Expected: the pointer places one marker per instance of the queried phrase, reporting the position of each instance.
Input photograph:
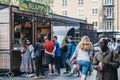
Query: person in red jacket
(49, 50)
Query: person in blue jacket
(70, 50)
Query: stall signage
(46, 1)
(33, 7)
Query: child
(75, 68)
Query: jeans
(39, 66)
(57, 63)
(84, 66)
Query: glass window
(109, 12)
(94, 10)
(64, 13)
(108, 2)
(80, 12)
(80, 2)
(95, 23)
(64, 2)
(108, 25)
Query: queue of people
(80, 58)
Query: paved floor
(61, 77)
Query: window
(80, 2)
(80, 12)
(109, 12)
(94, 10)
(64, 2)
(108, 2)
(95, 23)
(64, 12)
(22, 30)
(108, 25)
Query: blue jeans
(84, 66)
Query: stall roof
(2, 6)
(60, 20)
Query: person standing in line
(39, 52)
(50, 51)
(64, 54)
(113, 45)
(32, 54)
(26, 65)
(57, 55)
(106, 63)
(83, 57)
(96, 46)
(70, 50)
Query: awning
(2, 6)
(60, 20)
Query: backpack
(72, 49)
(38, 49)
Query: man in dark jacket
(39, 52)
(106, 63)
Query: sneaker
(30, 75)
(50, 74)
(42, 77)
(35, 77)
(23, 75)
(55, 73)
(27, 75)
(58, 74)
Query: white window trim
(94, 1)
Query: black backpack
(38, 49)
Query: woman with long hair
(82, 53)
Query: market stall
(15, 25)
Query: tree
(5, 2)
(48, 3)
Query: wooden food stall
(17, 23)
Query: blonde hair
(85, 44)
